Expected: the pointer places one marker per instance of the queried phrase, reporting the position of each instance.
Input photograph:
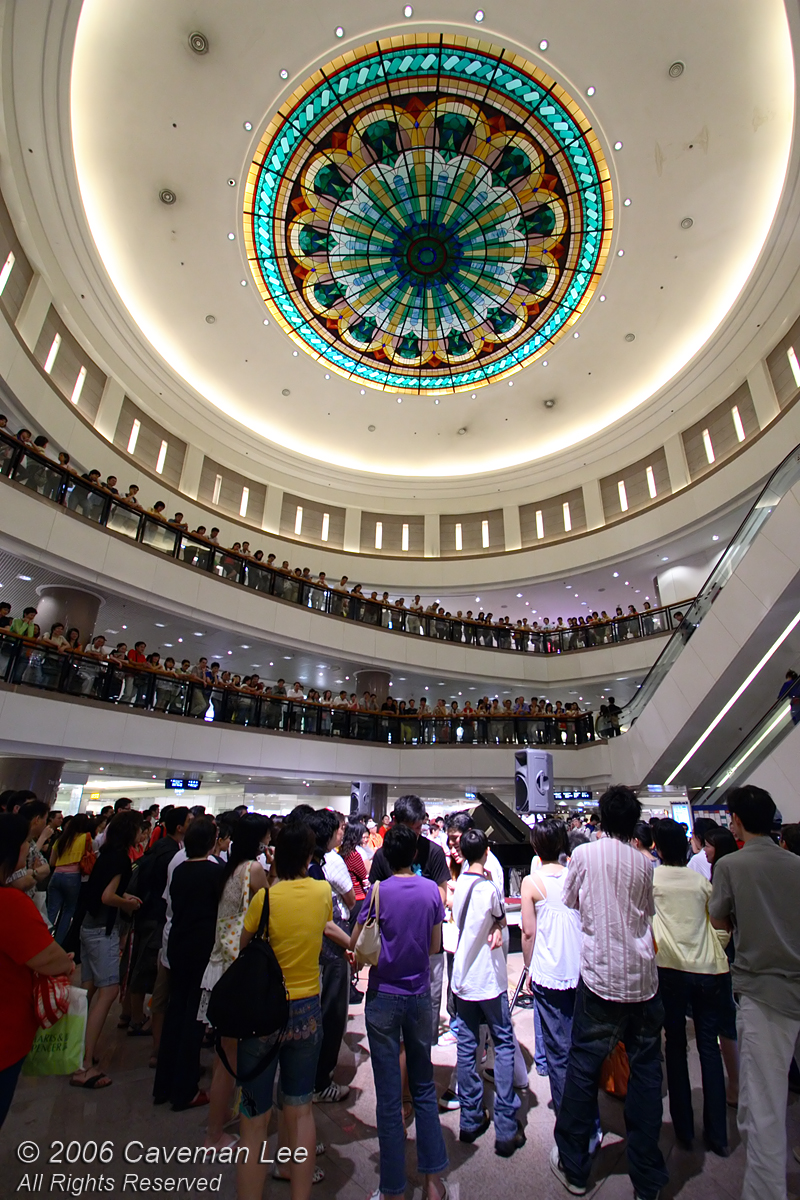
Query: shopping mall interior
(273, 281)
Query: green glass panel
(541, 222)
(408, 347)
(453, 130)
(513, 164)
(313, 241)
(381, 137)
(329, 181)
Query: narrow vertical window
(567, 516)
(133, 439)
(709, 446)
(651, 483)
(379, 535)
(405, 537)
(485, 534)
(326, 526)
(298, 521)
(623, 495)
(794, 364)
(79, 382)
(539, 524)
(459, 542)
(737, 423)
(53, 355)
(217, 489)
(8, 267)
(245, 501)
(162, 457)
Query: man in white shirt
(611, 885)
(480, 987)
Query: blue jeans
(539, 1055)
(706, 993)
(297, 1057)
(598, 1025)
(495, 1014)
(388, 1016)
(62, 895)
(555, 1011)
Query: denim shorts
(297, 1058)
(99, 955)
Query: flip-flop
(142, 1030)
(318, 1177)
(93, 1083)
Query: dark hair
(644, 834)
(790, 836)
(408, 810)
(400, 844)
(249, 832)
(122, 804)
(173, 816)
(754, 807)
(121, 832)
(294, 845)
(550, 839)
(619, 811)
(324, 824)
(474, 844)
(702, 826)
(32, 809)
(460, 822)
(723, 842)
(354, 832)
(300, 813)
(13, 832)
(73, 828)
(200, 837)
(671, 843)
(576, 837)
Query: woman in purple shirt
(399, 1002)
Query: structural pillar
(108, 412)
(677, 464)
(273, 505)
(352, 530)
(191, 471)
(512, 530)
(432, 535)
(368, 800)
(73, 606)
(39, 775)
(593, 504)
(373, 680)
(762, 390)
(33, 312)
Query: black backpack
(251, 1000)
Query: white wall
(779, 775)
(684, 579)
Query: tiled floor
(48, 1110)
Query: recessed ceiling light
(479, 15)
(168, 644)
(245, 647)
(363, 392)
(243, 282)
(339, 31)
(550, 403)
(294, 354)
(371, 428)
(627, 201)
(687, 223)
(159, 625)
(664, 558)
(477, 599)
(167, 196)
(408, 11)
(462, 430)
(210, 319)
(519, 595)
(676, 69)
(284, 73)
(602, 299)
(630, 337)
(197, 633)
(715, 537)
(620, 254)
(327, 376)
(231, 237)
(27, 578)
(198, 42)
(617, 145)
(399, 399)
(576, 335)
(266, 320)
(544, 364)
(543, 44)
(248, 125)
(436, 401)
(286, 391)
(287, 657)
(511, 383)
(231, 183)
(616, 574)
(590, 91)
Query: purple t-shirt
(410, 906)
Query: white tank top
(556, 958)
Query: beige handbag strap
(374, 899)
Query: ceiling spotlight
(248, 125)
(339, 31)
(363, 392)
(590, 91)
(715, 537)
(266, 320)
(198, 42)
(511, 383)
(544, 364)
(327, 376)
(687, 223)
(549, 403)
(479, 15)
(519, 595)
(408, 11)
(630, 337)
(616, 574)
(231, 237)
(627, 201)
(676, 69)
(371, 428)
(620, 254)
(284, 73)
(286, 392)
(167, 196)
(576, 335)
(664, 558)
(543, 44)
(436, 401)
(617, 145)
(210, 319)
(243, 282)
(399, 399)
(602, 298)
(231, 183)
(294, 354)
(462, 430)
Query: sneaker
(574, 1189)
(447, 1039)
(506, 1149)
(332, 1094)
(471, 1135)
(449, 1101)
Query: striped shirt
(611, 885)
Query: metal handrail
(776, 723)
(28, 663)
(102, 508)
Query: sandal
(123, 1022)
(318, 1177)
(92, 1083)
(140, 1030)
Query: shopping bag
(368, 943)
(616, 1072)
(59, 1049)
(50, 998)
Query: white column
(352, 530)
(35, 308)
(762, 389)
(109, 409)
(271, 521)
(433, 547)
(593, 504)
(191, 471)
(512, 530)
(677, 466)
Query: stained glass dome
(428, 214)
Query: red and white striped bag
(50, 998)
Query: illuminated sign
(180, 785)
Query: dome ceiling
(459, 276)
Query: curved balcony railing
(782, 479)
(29, 663)
(101, 507)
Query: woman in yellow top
(300, 912)
(691, 968)
(65, 882)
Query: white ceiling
(713, 145)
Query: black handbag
(251, 1000)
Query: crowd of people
(628, 930)
(300, 585)
(197, 689)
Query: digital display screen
(180, 785)
(572, 795)
(682, 813)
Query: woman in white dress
(244, 877)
